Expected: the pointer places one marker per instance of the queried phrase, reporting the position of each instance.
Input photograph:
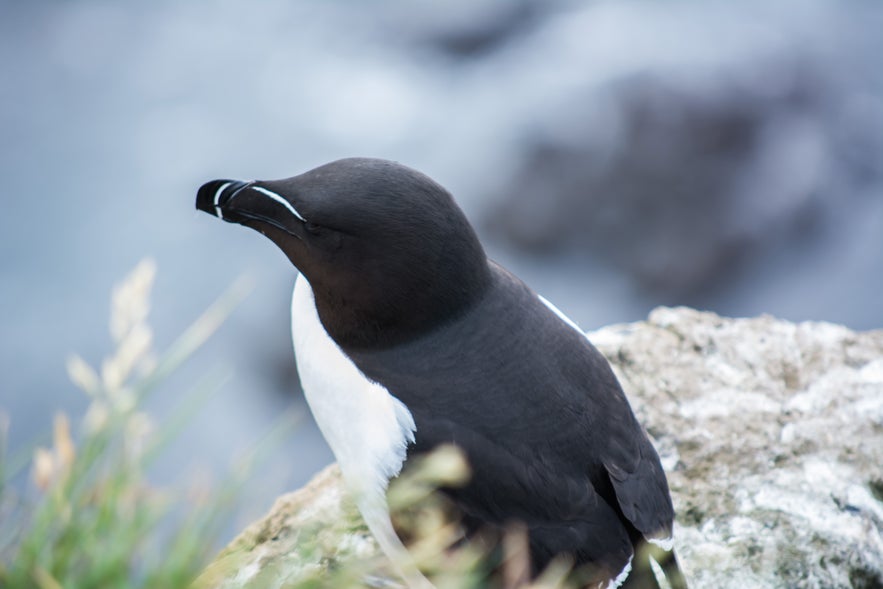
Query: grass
(97, 521)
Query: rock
(692, 165)
(684, 168)
(463, 29)
(771, 434)
(304, 533)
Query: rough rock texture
(302, 535)
(771, 434)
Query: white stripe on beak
(218, 197)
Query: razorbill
(407, 337)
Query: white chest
(367, 428)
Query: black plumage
(403, 286)
(547, 430)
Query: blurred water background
(617, 155)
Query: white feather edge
(560, 314)
(366, 427)
(664, 543)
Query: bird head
(386, 249)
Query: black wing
(511, 481)
(545, 425)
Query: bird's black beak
(250, 204)
(213, 196)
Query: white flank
(218, 197)
(366, 427)
(666, 543)
(280, 200)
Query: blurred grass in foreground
(435, 538)
(98, 522)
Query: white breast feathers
(366, 427)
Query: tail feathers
(643, 576)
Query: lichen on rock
(772, 437)
(305, 535)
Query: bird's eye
(311, 227)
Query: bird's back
(541, 418)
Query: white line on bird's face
(280, 200)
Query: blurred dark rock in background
(679, 177)
(464, 30)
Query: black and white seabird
(408, 337)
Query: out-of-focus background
(617, 155)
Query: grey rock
(684, 166)
(304, 534)
(772, 436)
(461, 29)
(771, 433)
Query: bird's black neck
(373, 315)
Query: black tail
(642, 575)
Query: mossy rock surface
(306, 534)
